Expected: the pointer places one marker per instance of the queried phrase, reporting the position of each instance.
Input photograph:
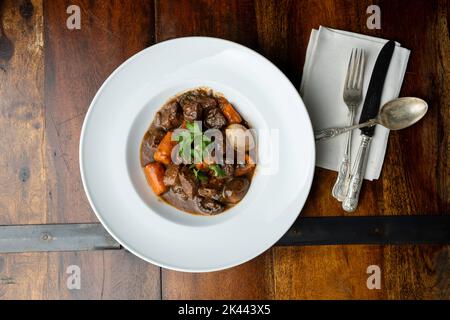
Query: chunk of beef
(188, 182)
(209, 191)
(205, 101)
(214, 119)
(178, 190)
(229, 170)
(171, 175)
(192, 111)
(169, 117)
(235, 189)
(209, 206)
(216, 183)
(149, 144)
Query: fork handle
(339, 190)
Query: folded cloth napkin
(322, 86)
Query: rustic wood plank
(232, 20)
(414, 178)
(77, 62)
(22, 178)
(414, 272)
(22, 122)
(283, 29)
(115, 274)
(416, 175)
(109, 275)
(45, 140)
(252, 280)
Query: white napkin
(322, 86)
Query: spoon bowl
(401, 113)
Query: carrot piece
(154, 172)
(163, 152)
(161, 157)
(166, 145)
(201, 166)
(229, 112)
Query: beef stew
(185, 153)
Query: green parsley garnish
(218, 171)
(192, 135)
(199, 174)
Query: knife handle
(351, 200)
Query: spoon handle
(329, 133)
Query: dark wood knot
(24, 174)
(26, 9)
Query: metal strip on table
(55, 237)
(381, 230)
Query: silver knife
(369, 111)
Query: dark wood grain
(415, 174)
(76, 64)
(22, 139)
(22, 177)
(49, 74)
(252, 280)
(233, 20)
(282, 35)
(42, 122)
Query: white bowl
(114, 181)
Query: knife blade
(372, 101)
(370, 110)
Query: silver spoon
(395, 115)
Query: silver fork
(352, 98)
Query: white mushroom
(240, 137)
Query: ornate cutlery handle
(351, 200)
(339, 190)
(340, 187)
(328, 133)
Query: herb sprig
(218, 171)
(192, 135)
(192, 144)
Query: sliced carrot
(200, 166)
(163, 152)
(154, 173)
(162, 157)
(229, 112)
(166, 145)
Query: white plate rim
(309, 178)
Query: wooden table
(49, 74)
